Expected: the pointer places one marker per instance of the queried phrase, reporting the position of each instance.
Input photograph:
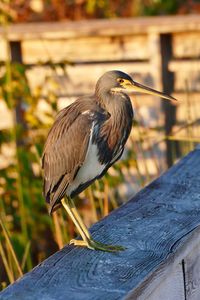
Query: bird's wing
(64, 153)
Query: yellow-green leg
(67, 207)
(86, 236)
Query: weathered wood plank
(186, 71)
(184, 65)
(170, 266)
(158, 227)
(186, 44)
(130, 26)
(171, 288)
(192, 274)
(87, 49)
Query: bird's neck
(118, 105)
(116, 129)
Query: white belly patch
(90, 169)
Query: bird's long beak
(137, 87)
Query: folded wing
(64, 153)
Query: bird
(86, 139)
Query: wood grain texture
(153, 226)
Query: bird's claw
(93, 245)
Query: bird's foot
(93, 245)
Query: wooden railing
(160, 51)
(160, 228)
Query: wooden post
(16, 57)
(16, 52)
(168, 87)
(155, 59)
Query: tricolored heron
(87, 137)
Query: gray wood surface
(159, 227)
(169, 278)
(171, 288)
(192, 274)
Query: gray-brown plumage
(87, 137)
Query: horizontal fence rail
(160, 229)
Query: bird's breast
(110, 138)
(90, 169)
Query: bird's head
(120, 82)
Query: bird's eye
(121, 80)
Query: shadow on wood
(159, 228)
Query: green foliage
(23, 209)
(110, 9)
(160, 7)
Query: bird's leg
(78, 218)
(86, 236)
(68, 209)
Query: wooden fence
(160, 228)
(159, 51)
